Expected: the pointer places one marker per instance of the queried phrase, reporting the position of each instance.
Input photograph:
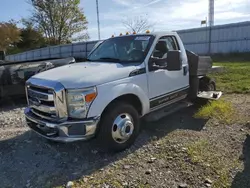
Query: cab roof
(157, 34)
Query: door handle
(185, 70)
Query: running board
(210, 95)
(165, 111)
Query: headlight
(79, 101)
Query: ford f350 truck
(125, 78)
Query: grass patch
(108, 180)
(221, 110)
(214, 157)
(233, 57)
(235, 79)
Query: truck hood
(86, 74)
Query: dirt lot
(178, 151)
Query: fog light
(76, 129)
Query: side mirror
(2, 55)
(174, 60)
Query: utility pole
(211, 23)
(98, 21)
(211, 12)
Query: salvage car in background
(13, 75)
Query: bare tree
(137, 24)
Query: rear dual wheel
(205, 84)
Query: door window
(165, 44)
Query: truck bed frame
(199, 68)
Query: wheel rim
(123, 128)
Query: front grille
(42, 103)
(47, 99)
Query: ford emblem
(36, 101)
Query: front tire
(119, 127)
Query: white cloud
(153, 2)
(231, 15)
(173, 14)
(136, 4)
(126, 3)
(106, 31)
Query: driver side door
(166, 86)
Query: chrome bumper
(68, 131)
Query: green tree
(9, 34)
(59, 20)
(31, 38)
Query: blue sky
(166, 14)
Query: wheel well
(131, 99)
(204, 81)
(128, 98)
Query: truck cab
(124, 79)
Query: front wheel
(119, 127)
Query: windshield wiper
(88, 59)
(110, 59)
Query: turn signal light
(90, 97)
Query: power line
(98, 20)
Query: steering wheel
(135, 55)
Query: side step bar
(165, 111)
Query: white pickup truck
(124, 79)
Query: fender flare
(107, 94)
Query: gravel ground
(159, 158)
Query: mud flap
(210, 95)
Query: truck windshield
(125, 49)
